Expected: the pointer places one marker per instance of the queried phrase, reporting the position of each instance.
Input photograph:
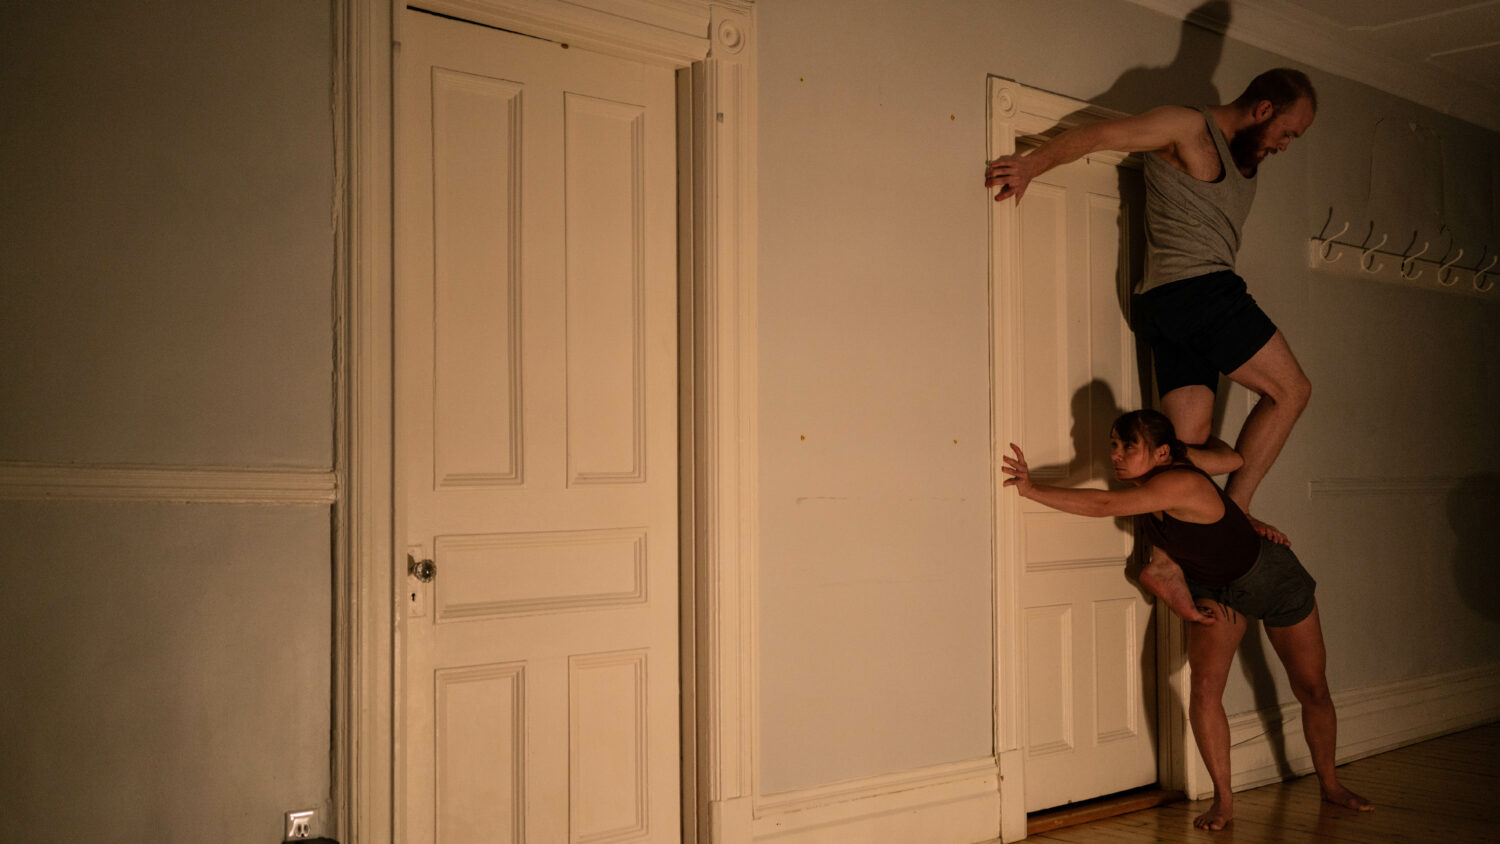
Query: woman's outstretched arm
(1182, 494)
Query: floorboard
(1441, 791)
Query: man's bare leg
(1210, 652)
(1302, 653)
(1163, 578)
(1284, 390)
(1191, 411)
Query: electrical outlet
(300, 824)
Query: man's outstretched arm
(1159, 129)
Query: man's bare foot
(1215, 457)
(1340, 796)
(1167, 583)
(1269, 531)
(1216, 818)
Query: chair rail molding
(180, 484)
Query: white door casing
(536, 438)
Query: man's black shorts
(1199, 327)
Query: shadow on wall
(1095, 409)
(1471, 514)
(1257, 670)
(1187, 80)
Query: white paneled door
(537, 452)
(1088, 650)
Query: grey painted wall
(874, 529)
(166, 170)
(166, 286)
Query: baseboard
(1371, 721)
(957, 803)
(729, 821)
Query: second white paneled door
(1089, 681)
(536, 399)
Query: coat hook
(1409, 262)
(1484, 272)
(1443, 270)
(1367, 259)
(1328, 256)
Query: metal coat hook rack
(1409, 266)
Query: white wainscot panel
(480, 744)
(606, 282)
(476, 277)
(490, 575)
(1049, 679)
(1117, 667)
(607, 747)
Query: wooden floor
(1446, 790)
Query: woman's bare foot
(1217, 817)
(1269, 531)
(1340, 796)
(1167, 583)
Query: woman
(1232, 572)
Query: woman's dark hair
(1152, 428)
(1282, 86)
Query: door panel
(1088, 649)
(537, 453)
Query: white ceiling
(1444, 54)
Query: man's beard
(1245, 146)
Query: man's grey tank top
(1193, 226)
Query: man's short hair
(1282, 86)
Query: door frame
(1019, 113)
(712, 45)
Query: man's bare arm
(1159, 129)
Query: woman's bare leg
(1210, 652)
(1305, 658)
(1163, 578)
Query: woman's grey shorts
(1277, 589)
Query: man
(1191, 307)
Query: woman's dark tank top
(1212, 554)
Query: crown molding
(1287, 30)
